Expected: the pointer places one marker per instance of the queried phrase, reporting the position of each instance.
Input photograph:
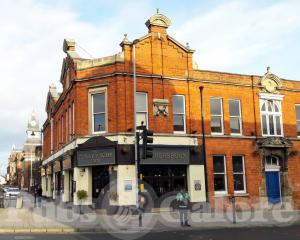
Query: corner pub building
(251, 129)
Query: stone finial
(187, 45)
(69, 45)
(158, 19)
(268, 69)
(125, 40)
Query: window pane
(278, 125)
(218, 162)
(237, 162)
(235, 125)
(216, 124)
(271, 125)
(298, 128)
(141, 102)
(239, 182)
(178, 122)
(215, 106)
(276, 107)
(178, 104)
(219, 182)
(298, 112)
(264, 124)
(99, 122)
(234, 108)
(270, 106)
(99, 103)
(141, 117)
(263, 108)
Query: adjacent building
(248, 147)
(14, 169)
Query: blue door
(273, 187)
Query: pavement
(54, 218)
(257, 233)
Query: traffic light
(147, 149)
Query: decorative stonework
(270, 83)
(274, 142)
(159, 19)
(160, 107)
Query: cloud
(239, 33)
(233, 36)
(32, 34)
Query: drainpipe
(203, 142)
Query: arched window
(271, 118)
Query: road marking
(23, 237)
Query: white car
(12, 192)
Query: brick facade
(165, 68)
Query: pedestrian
(183, 200)
(35, 192)
(1, 197)
(40, 195)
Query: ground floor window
(220, 178)
(164, 179)
(239, 174)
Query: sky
(240, 36)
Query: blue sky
(242, 36)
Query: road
(258, 233)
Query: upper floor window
(298, 119)
(235, 116)
(271, 117)
(179, 113)
(220, 176)
(239, 177)
(141, 109)
(216, 116)
(99, 112)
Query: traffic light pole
(138, 175)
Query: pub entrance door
(100, 184)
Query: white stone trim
(269, 96)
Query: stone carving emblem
(160, 107)
(270, 83)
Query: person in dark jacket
(39, 194)
(183, 200)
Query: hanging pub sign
(67, 163)
(43, 171)
(49, 170)
(56, 166)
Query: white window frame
(225, 176)
(239, 117)
(147, 119)
(184, 114)
(222, 116)
(274, 114)
(244, 174)
(62, 129)
(92, 111)
(297, 120)
(73, 119)
(70, 123)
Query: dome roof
(158, 19)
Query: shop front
(170, 170)
(94, 169)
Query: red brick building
(251, 126)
